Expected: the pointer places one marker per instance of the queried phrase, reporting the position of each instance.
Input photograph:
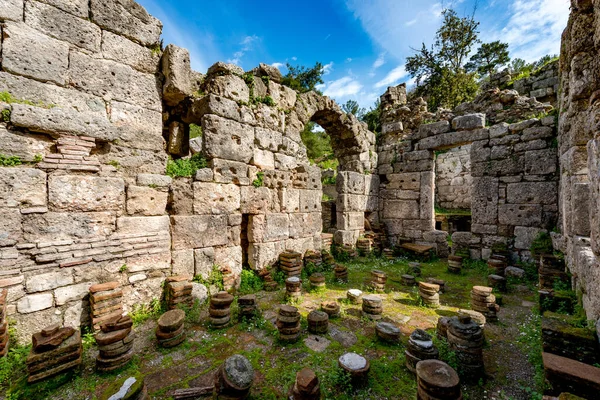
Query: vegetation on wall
(186, 167)
(304, 79)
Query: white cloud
(247, 44)
(327, 68)
(343, 87)
(411, 22)
(278, 65)
(436, 10)
(348, 60)
(380, 61)
(534, 28)
(393, 77)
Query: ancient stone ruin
(132, 173)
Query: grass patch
(185, 167)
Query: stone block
(48, 281)
(204, 260)
(61, 226)
(372, 183)
(128, 19)
(85, 193)
(469, 122)
(348, 221)
(426, 130)
(541, 162)
(154, 180)
(230, 86)
(55, 120)
(146, 225)
(305, 224)
(524, 236)
(283, 96)
(12, 10)
(230, 258)
(537, 132)
(400, 209)
(225, 171)
(346, 237)
(24, 146)
(143, 200)
(177, 71)
(532, 193)
(257, 200)
(226, 139)
(427, 197)
(31, 54)
(182, 262)
(520, 214)
(285, 162)
(392, 127)
(452, 139)
(351, 203)
(404, 181)
(581, 209)
(498, 130)
(212, 104)
(79, 8)
(35, 302)
(22, 187)
(263, 159)
(310, 200)
(216, 198)
(120, 49)
(115, 80)
(136, 127)
(151, 262)
(268, 228)
(484, 200)
(350, 182)
(10, 225)
(289, 199)
(262, 255)
(196, 231)
(77, 31)
(76, 292)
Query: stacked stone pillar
(430, 294)
(170, 328)
(234, 378)
(178, 291)
(220, 309)
(332, 308)
(54, 350)
(341, 273)
(372, 307)
(483, 301)
(378, 280)
(356, 366)
(106, 303)
(306, 386)
(288, 323)
(313, 257)
(420, 347)
(387, 332)
(293, 287)
(455, 264)
(291, 263)
(354, 296)
(247, 306)
(465, 337)
(437, 380)
(318, 322)
(317, 281)
(115, 344)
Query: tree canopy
(304, 79)
(488, 58)
(440, 70)
(352, 107)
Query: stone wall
(579, 147)
(514, 191)
(94, 110)
(453, 178)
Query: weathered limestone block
(520, 214)
(212, 104)
(35, 302)
(146, 225)
(22, 187)
(348, 221)
(182, 262)
(74, 30)
(289, 200)
(135, 161)
(285, 162)
(10, 225)
(196, 231)
(498, 130)
(436, 128)
(48, 281)
(372, 183)
(216, 198)
(47, 93)
(532, 193)
(304, 224)
(484, 202)
(177, 139)
(268, 139)
(231, 86)
(226, 139)
(469, 122)
(159, 181)
(351, 203)
(346, 237)
(221, 68)
(257, 200)
(594, 168)
(55, 120)
(79, 8)
(119, 81)
(151, 262)
(120, 49)
(427, 198)
(581, 211)
(85, 193)
(452, 139)
(177, 71)
(230, 258)
(226, 171)
(77, 292)
(53, 226)
(204, 259)
(142, 200)
(263, 159)
(127, 18)
(525, 236)
(262, 255)
(310, 200)
(350, 182)
(24, 146)
(12, 10)
(283, 96)
(541, 162)
(268, 228)
(31, 54)
(137, 127)
(405, 181)
(400, 209)
(392, 127)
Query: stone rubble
(62, 355)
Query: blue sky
(363, 43)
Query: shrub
(186, 167)
(250, 282)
